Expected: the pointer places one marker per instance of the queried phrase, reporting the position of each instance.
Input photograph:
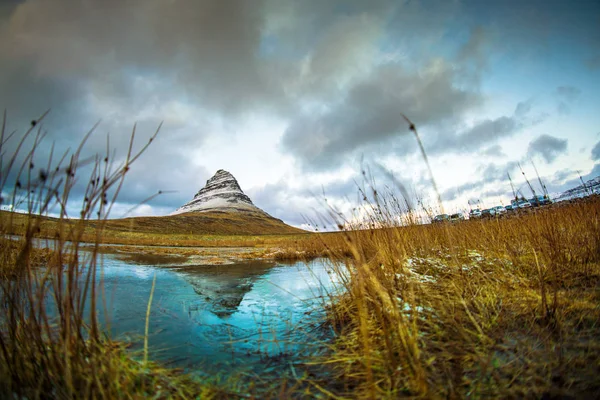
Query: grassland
(504, 308)
(192, 229)
(498, 308)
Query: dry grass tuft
(63, 353)
(498, 308)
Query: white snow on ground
(412, 265)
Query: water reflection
(215, 317)
(223, 287)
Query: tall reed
(486, 308)
(52, 343)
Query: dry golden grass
(65, 354)
(207, 229)
(504, 308)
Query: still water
(214, 318)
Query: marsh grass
(504, 308)
(64, 353)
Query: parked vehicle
(488, 213)
(475, 213)
(524, 204)
(516, 204)
(441, 218)
(500, 210)
(539, 200)
(457, 217)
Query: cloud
(548, 147)
(333, 76)
(567, 95)
(595, 172)
(491, 175)
(496, 193)
(596, 152)
(523, 108)
(482, 133)
(292, 205)
(371, 112)
(494, 151)
(593, 63)
(475, 49)
(209, 53)
(468, 187)
(560, 176)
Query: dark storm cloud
(493, 175)
(596, 152)
(371, 112)
(369, 109)
(548, 147)
(205, 47)
(146, 61)
(483, 133)
(338, 72)
(123, 62)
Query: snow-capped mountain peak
(222, 192)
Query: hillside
(211, 222)
(219, 208)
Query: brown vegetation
(497, 308)
(504, 308)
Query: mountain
(222, 192)
(219, 208)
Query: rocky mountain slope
(222, 192)
(219, 208)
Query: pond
(210, 319)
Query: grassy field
(506, 308)
(192, 229)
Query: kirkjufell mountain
(222, 192)
(219, 208)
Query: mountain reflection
(223, 287)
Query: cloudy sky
(296, 98)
